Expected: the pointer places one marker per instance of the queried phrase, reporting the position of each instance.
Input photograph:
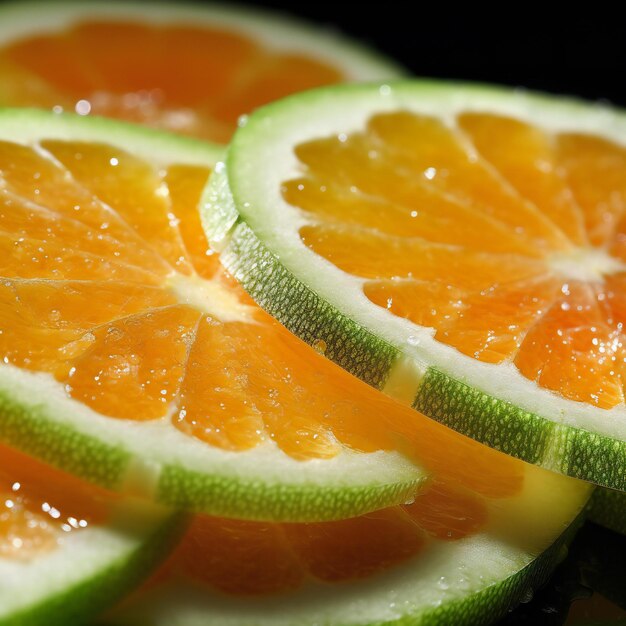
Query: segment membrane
(507, 240)
(172, 338)
(163, 76)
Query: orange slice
(451, 553)
(134, 361)
(187, 68)
(460, 248)
(69, 550)
(128, 357)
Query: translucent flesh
(193, 79)
(250, 558)
(40, 505)
(507, 240)
(173, 338)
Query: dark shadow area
(579, 51)
(587, 589)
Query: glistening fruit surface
(187, 68)
(458, 246)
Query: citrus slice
(187, 68)
(450, 557)
(67, 549)
(128, 357)
(459, 247)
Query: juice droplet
(320, 346)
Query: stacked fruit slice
(467, 240)
(372, 222)
(67, 549)
(184, 67)
(470, 239)
(155, 385)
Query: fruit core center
(585, 264)
(210, 297)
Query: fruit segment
(525, 157)
(68, 549)
(234, 556)
(427, 562)
(173, 344)
(195, 73)
(36, 514)
(160, 75)
(545, 295)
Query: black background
(567, 50)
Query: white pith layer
(270, 137)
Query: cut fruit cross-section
(459, 247)
(450, 557)
(67, 549)
(129, 358)
(188, 68)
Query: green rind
(493, 602)
(91, 596)
(29, 124)
(31, 431)
(477, 609)
(37, 429)
(608, 509)
(303, 312)
(549, 442)
(500, 425)
(113, 455)
(181, 488)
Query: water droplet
(412, 340)
(320, 346)
(113, 332)
(83, 107)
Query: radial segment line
(115, 214)
(468, 145)
(86, 255)
(25, 203)
(463, 207)
(470, 150)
